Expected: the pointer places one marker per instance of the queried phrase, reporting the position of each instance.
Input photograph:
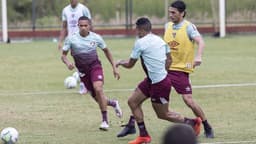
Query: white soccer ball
(9, 135)
(76, 76)
(70, 82)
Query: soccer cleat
(118, 110)
(197, 126)
(126, 131)
(104, 126)
(141, 140)
(208, 132)
(83, 89)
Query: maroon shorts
(94, 74)
(158, 92)
(180, 81)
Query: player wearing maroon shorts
(153, 52)
(181, 35)
(82, 45)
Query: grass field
(34, 100)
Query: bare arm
(168, 61)
(110, 59)
(65, 60)
(63, 34)
(126, 63)
(200, 42)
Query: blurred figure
(70, 15)
(179, 134)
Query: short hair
(144, 23)
(179, 134)
(84, 18)
(179, 5)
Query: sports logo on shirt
(173, 44)
(92, 44)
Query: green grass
(34, 100)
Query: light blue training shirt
(152, 49)
(83, 49)
(191, 29)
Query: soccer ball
(76, 76)
(9, 135)
(70, 82)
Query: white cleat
(83, 89)
(104, 126)
(118, 110)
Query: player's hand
(60, 46)
(197, 61)
(70, 66)
(116, 74)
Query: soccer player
(82, 45)
(70, 15)
(182, 36)
(153, 52)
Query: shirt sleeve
(167, 48)
(100, 42)
(136, 51)
(192, 31)
(87, 13)
(67, 44)
(63, 15)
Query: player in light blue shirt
(83, 45)
(155, 59)
(70, 15)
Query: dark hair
(144, 23)
(179, 134)
(179, 5)
(84, 18)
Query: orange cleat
(141, 140)
(197, 125)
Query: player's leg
(180, 81)
(159, 93)
(82, 87)
(163, 112)
(187, 98)
(102, 102)
(116, 106)
(97, 79)
(135, 102)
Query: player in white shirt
(70, 15)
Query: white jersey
(71, 15)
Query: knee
(98, 89)
(130, 103)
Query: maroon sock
(112, 103)
(189, 121)
(131, 121)
(142, 128)
(104, 116)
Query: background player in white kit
(70, 15)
